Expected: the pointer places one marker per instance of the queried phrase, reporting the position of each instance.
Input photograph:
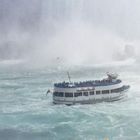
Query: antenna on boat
(69, 76)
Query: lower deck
(90, 101)
(89, 96)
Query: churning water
(26, 113)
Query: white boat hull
(92, 99)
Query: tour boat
(88, 92)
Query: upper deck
(95, 83)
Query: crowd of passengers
(85, 83)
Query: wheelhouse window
(76, 94)
(105, 92)
(97, 92)
(85, 93)
(59, 94)
(68, 94)
(91, 92)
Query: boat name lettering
(86, 89)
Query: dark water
(26, 113)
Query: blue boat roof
(87, 83)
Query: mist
(61, 32)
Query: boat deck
(87, 83)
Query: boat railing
(103, 82)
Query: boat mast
(69, 76)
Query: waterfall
(76, 31)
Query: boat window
(113, 90)
(105, 91)
(55, 93)
(85, 93)
(91, 92)
(97, 92)
(117, 90)
(68, 94)
(77, 94)
(60, 94)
